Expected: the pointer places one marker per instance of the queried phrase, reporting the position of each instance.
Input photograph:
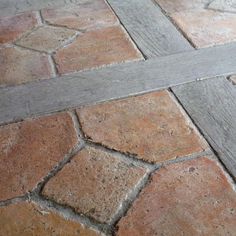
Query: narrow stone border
(114, 82)
(151, 30)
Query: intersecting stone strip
(150, 29)
(150, 126)
(94, 183)
(30, 149)
(212, 106)
(28, 219)
(115, 82)
(189, 198)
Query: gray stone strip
(114, 82)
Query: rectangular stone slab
(151, 30)
(114, 82)
(212, 106)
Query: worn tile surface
(13, 27)
(150, 126)
(47, 38)
(88, 16)
(96, 48)
(27, 219)
(30, 149)
(207, 28)
(190, 198)
(52, 27)
(94, 183)
(205, 23)
(21, 65)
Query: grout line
(68, 212)
(125, 157)
(131, 196)
(77, 126)
(57, 168)
(52, 63)
(13, 200)
(39, 17)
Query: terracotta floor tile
(207, 28)
(94, 183)
(96, 48)
(30, 149)
(92, 14)
(13, 27)
(223, 5)
(20, 66)
(171, 6)
(150, 126)
(47, 38)
(27, 219)
(189, 198)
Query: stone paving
(136, 166)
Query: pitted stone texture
(94, 183)
(30, 149)
(207, 28)
(171, 6)
(96, 48)
(12, 7)
(47, 38)
(13, 27)
(188, 198)
(27, 219)
(223, 5)
(91, 15)
(19, 66)
(150, 126)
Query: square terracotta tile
(94, 183)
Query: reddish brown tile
(19, 66)
(95, 183)
(27, 219)
(13, 27)
(47, 38)
(96, 48)
(90, 15)
(207, 28)
(150, 126)
(171, 6)
(30, 149)
(189, 198)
